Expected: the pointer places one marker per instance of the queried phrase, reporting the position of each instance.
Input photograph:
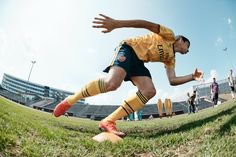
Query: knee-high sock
(92, 88)
(166, 106)
(159, 106)
(170, 107)
(132, 104)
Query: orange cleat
(110, 126)
(61, 108)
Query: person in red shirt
(214, 91)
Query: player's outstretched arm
(110, 24)
(174, 80)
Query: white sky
(58, 34)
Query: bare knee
(114, 79)
(149, 93)
(112, 85)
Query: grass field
(27, 132)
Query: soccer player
(160, 45)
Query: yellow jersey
(155, 47)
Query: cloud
(213, 74)
(160, 94)
(176, 94)
(219, 41)
(180, 94)
(229, 21)
(114, 97)
(101, 99)
(132, 91)
(3, 43)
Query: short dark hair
(183, 38)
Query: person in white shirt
(231, 82)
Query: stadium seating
(83, 110)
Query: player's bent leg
(114, 79)
(134, 103)
(90, 89)
(102, 85)
(130, 105)
(145, 86)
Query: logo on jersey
(161, 52)
(121, 58)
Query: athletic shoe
(61, 108)
(110, 126)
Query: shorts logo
(122, 58)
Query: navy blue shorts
(232, 88)
(126, 58)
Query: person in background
(214, 92)
(191, 101)
(231, 83)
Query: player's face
(184, 47)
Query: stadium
(46, 98)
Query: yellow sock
(132, 104)
(92, 88)
(170, 107)
(159, 107)
(166, 107)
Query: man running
(160, 45)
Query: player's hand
(198, 75)
(105, 22)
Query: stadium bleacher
(13, 96)
(95, 112)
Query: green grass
(28, 132)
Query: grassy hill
(27, 132)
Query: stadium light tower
(33, 62)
